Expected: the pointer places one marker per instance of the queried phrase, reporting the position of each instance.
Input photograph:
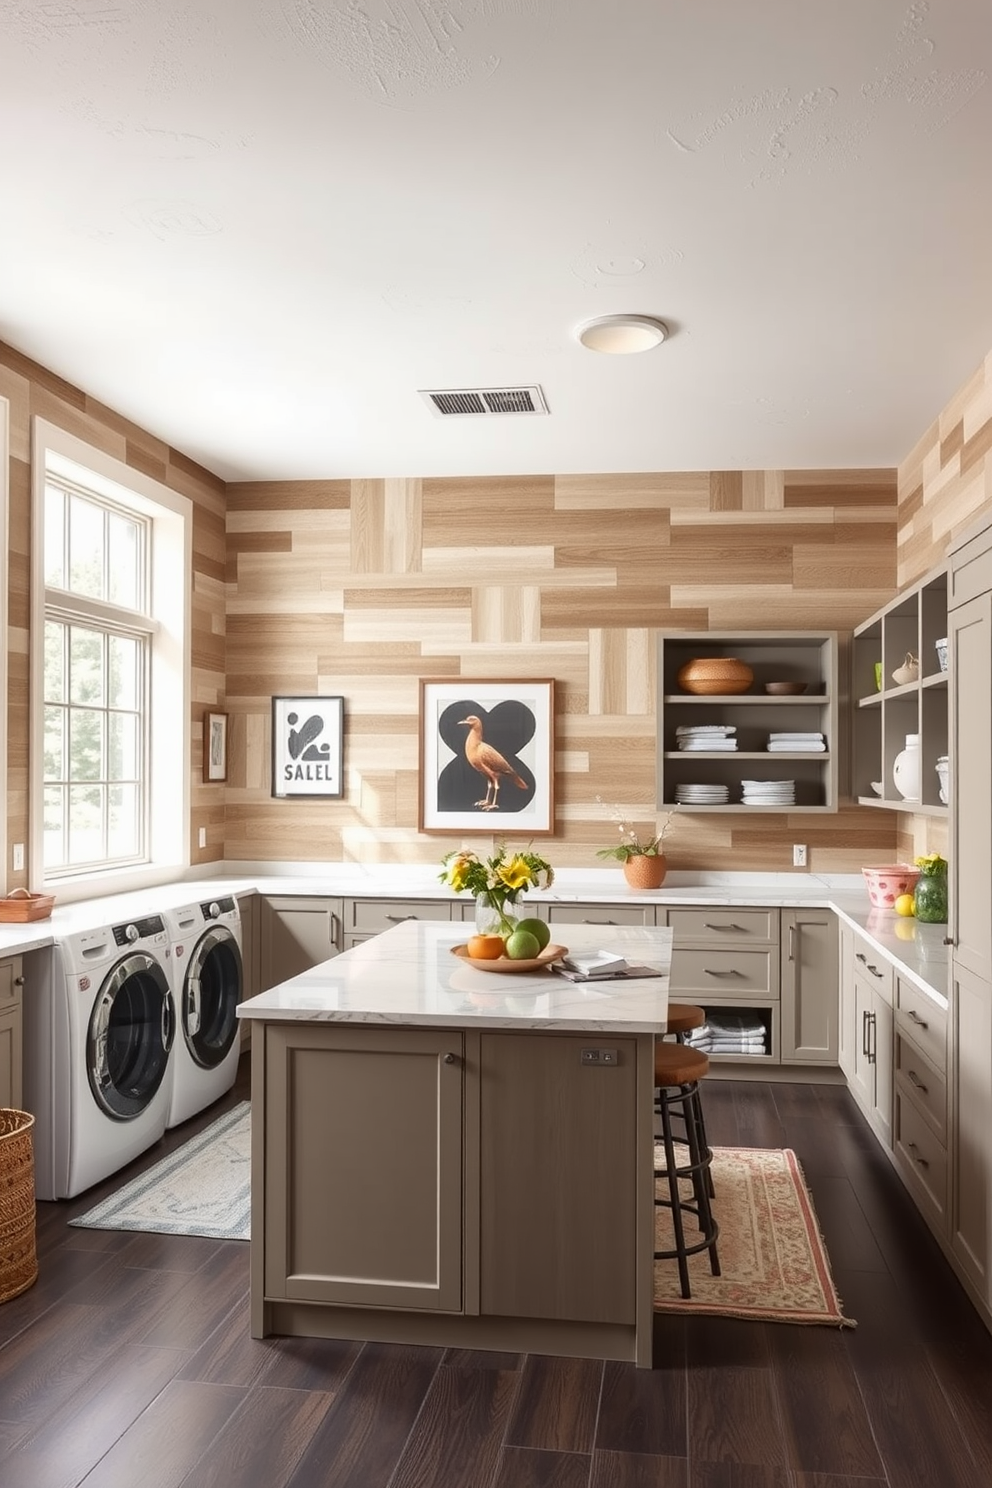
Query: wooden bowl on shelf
(715, 675)
(785, 689)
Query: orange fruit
(485, 947)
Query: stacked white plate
(702, 795)
(769, 792)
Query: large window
(110, 671)
(97, 664)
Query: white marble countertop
(408, 975)
(914, 949)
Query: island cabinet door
(558, 1177)
(363, 1166)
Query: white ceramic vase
(906, 769)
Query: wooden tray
(505, 963)
(18, 908)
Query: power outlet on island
(799, 855)
(203, 836)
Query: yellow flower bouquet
(496, 882)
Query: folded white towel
(796, 746)
(726, 745)
(808, 735)
(706, 728)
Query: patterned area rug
(203, 1188)
(772, 1258)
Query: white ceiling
(258, 227)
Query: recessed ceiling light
(622, 334)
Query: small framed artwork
(215, 746)
(307, 746)
(487, 752)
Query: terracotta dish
(785, 689)
(505, 963)
(714, 675)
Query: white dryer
(99, 1023)
(208, 981)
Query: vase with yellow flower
(496, 882)
(645, 865)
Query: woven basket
(18, 1259)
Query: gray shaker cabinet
(970, 926)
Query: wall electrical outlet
(798, 855)
(18, 857)
(203, 838)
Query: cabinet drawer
(601, 914)
(369, 916)
(10, 983)
(920, 1020)
(873, 969)
(699, 975)
(922, 1084)
(921, 1154)
(724, 926)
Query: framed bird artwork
(307, 746)
(487, 752)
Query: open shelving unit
(773, 656)
(912, 622)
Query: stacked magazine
(601, 966)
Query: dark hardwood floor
(129, 1363)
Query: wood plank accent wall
(31, 390)
(360, 588)
(945, 484)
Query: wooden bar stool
(677, 1073)
(682, 1016)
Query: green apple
(537, 928)
(522, 946)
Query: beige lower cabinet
(866, 1040)
(362, 918)
(971, 1128)
(599, 914)
(728, 958)
(809, 986)
(295, 933)
(483, 1188)
(919, 1129)
(11, 984)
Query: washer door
(130, 1035)
(212, 989)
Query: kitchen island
(448, 1156)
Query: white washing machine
(208, 982)
(99, 1022)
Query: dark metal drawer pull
(599, 922)
(738, 928)
(399, 919)
(914, 1152)
(860, 956)
(730, 972)
(874, 969)
(914, 1077)
(920, 1022)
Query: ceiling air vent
(448, 402)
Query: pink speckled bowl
(886, 883)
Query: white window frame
(56, 451)
(4, 606)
